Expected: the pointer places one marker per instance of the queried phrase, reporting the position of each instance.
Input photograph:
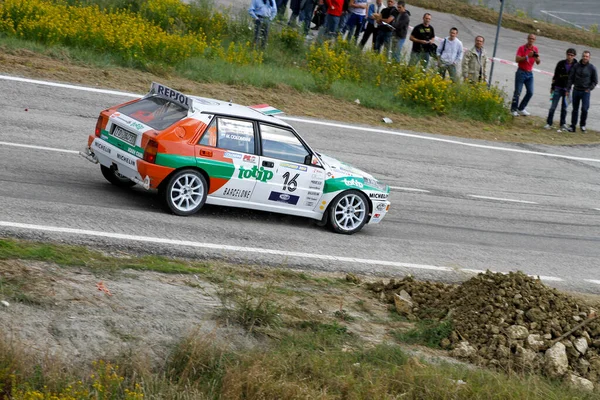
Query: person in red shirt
(527, 55)
(332, 19)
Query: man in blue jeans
(559, 91)
(263, 12)
(526, 56)
(583, 78)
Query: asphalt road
(579, 13)
(457, 206)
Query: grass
(300, 354)
(427, 333)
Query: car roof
(214, 106)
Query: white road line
(336, 125)
(212, 246)
(435, 139)
(29, 146)
(409, 189)
(597, 209)
(501, 199)
(67, 86)
(562, 19)
(592, 281)
(569, 12)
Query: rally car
(198, 151)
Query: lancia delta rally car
(196, 150)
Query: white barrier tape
(500, 60)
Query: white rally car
(196, 150)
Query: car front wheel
(348, 212)
(116, 178)
(185, 192)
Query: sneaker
(548, 126)
(564, 127)
(515, 113)
(572, 129)
(524, 112)
(583, 129)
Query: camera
(535, 54)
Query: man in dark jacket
(400, 25)
(583, 77)
(559, 90)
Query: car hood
(339, 170)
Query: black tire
(185, 192)
(115, 178)
(348, 212)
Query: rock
(517, 332)
(535, 314)
(526, 358)
(502, 352)
(464, 350)
(581, 345)
(556, 361)
(445, 343)
(535, 342)
(583, 366)
(580, 383)
(403, 303)
(350, 277)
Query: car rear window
(155, 112)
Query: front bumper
(380, 209)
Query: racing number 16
(290, 184)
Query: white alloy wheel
(348, 212)
(185, 192)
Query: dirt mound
(511, 322)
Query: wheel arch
(194, 167)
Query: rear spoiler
(164, 92)
(266, 109)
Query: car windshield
(155, 112)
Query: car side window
(230, 134)
(282, 144)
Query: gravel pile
(508, 322)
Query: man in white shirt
(450, 54)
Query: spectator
(371, 25)
(423, 38)
(559, 90)
(281, 6)
(526, 56)
(357, 11)
(384, 32)
(474, 63)
(450, 54)
(344, 17)
(319, 16)
(400, 25)
(263, 12)
(295, 7)
(583, 77)
(332, 19)
(307, 8)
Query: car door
(227, 152)
(286, 177)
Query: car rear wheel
(348, 212)
(185, 192)
(116, 178)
